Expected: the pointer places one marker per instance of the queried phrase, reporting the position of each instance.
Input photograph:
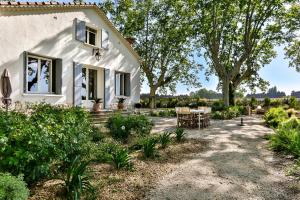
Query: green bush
(218, 106)
(12, 188)
(50, 135)
(267, 102)
(77, 182)
(179, 134)
(120, 158)
(122, 126)
(287, 137)
(275, 103)
(253, 102)
(275, 116)
(148, 147)
(164, 139)
(293, 102)
(229, 113)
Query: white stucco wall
(52, 33)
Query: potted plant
(121, 103)
(97, 105)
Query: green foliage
(267, 102)
(122, 126)
(77, 181)
(275, 116)
(12, 188)
(218, 106)
(229, 113)
(148, 146)
(163, 113)
(179, 134)
(120, 158)
(275, 103)
(287, 137)
(164, 139)
(293, 102)
(50, 135)
(253, 102)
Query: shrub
(229, 113)
(218, 115)
(275, 116)
(179, 134)
(122, 126)
(253, 102)
(293, 102)
(287, 137)
(218, 106)
(50, 135)
(77, 181)
(275, 103)
(291, 112)
(165, 139)
(120, 158)
(149, 147)
(267, 102)
(12, 188)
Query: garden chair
(184, 117)
(206, 117)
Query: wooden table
(198, 112)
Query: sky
(277, 73)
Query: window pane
(32, 75)
(44, 76)
(83, 89)
(92, 84)
(92, 38)
(118, 84)
(122, 84)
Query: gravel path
(236, 165)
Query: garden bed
(121, 184)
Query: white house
(66, 54)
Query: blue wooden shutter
(58, 76)
(25, 55)
(104, 39)
(80, 30)
(127, 84)
(107, 91)
(77, 84)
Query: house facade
(66, 54)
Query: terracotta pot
(120, 106)
(97, 107)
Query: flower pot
(97, 107)
(120, 106)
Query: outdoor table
(198, 112)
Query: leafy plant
(149, 147)
(77, 181)
(97, 100)
(46, 139)
(275, 116)
(121, 159)
(121, 100)
(267, 102)
(179, 134)
(119, 127)
(218, 106)
(253, 102)
(293, 102)
(165, 139)
(12, 188)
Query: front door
(89, 86)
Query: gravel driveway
(236, 165)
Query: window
(89, 84)
(42, 75)
(90, 36)
(122, 83)
(39, 75)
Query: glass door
(89, 84)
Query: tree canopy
(164, 40)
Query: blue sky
(277, 73)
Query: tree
(293, 25)
(237, 38)
(164, 40)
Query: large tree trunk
(231, 94)
(152, 98)
(225, 91)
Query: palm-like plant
(77, 182)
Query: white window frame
(88, 30)
(122, 79)
(39, 58)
